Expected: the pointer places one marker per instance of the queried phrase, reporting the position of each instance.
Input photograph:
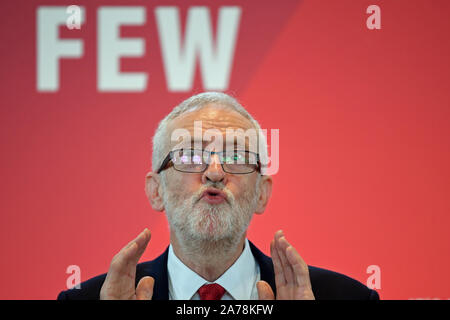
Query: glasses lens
(238, 161)
(188, 160)
(235, 161)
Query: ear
(152, 190)
(265, 187)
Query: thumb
(144, 290)
(264, 291)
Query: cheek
(184, 184)
(242, 188)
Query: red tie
(212, 291)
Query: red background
(364, 142)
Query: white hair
(197, 102)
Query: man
(209, 190)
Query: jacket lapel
(265, 267)
(158, 270)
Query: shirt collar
(238, 280)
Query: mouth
(213, 196)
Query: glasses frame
(167, 163)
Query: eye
(232, 157)
(185, 159)
(191, 157)
(197, 159)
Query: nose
(214, 172)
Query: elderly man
(209, 190)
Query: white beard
(204, 230)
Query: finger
(144, 290)
(281, 245)
(300, 268)
(264, 291)
(125, 261)
(140, 240)
(280, 280)
(134, 250)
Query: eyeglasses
(196, 161)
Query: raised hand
(291, 273)
(120, 280)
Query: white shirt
(239, 281)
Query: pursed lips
(213, 196)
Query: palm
(291, 273)
(121, 277)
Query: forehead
(212, 116)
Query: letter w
(215, 60)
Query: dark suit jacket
(326, 285)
